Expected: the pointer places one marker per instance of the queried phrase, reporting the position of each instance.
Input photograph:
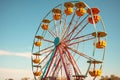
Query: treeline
(112, 77)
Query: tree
(112, 77)
(9, 79)
(25, 78)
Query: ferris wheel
(69, 43)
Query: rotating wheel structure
(69, 43)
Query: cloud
(7, 53)
(15, 74)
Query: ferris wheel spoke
(63, 61)
(68, 28)
(58, 70)
(74, 64)
(49, 63)
(83, 36)
(46, 49)
(56, 67)
(48, 41)
(75, 28)
(43, 33)
(45, 57)
(81, 54)
(67, 32)
(69, 59)
(46, 61)
(78, 31)
(79, 38)
(77, 46)
(81, 41)
(52, 33)
(53, 66)
(64, 27)
(56, 29)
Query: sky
(19, 20)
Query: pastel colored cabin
(95, 73)
(38, 73)
(38, 43)
(69, 8)
(36, 61)
(80, 11)
(93, 11)
(96, 19)
(45, 25)
(57, 14)
(101, 44)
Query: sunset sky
(19, 20)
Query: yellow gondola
(96, 19)
(68, 11)
(38, 43)
(95, 73)
(80, 11)
(69, 8)
(37, 73)
(36, 61)
(101, 44)
(57, 14)
(45, 26)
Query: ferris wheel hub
(56, 41)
